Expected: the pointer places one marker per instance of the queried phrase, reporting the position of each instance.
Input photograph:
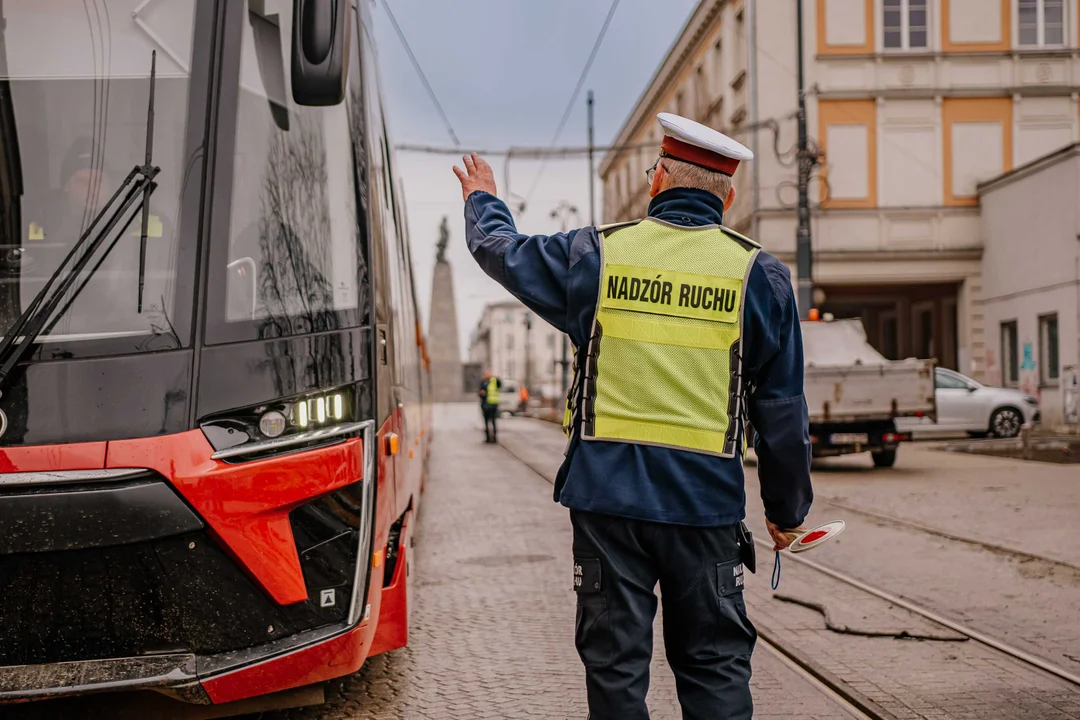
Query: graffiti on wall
(1029, 380)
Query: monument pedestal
(447, 376)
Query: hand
(783, 538)
(477, 175)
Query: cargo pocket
(735, 634)
(592, 627)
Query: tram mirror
(267, 32)
(320, 51)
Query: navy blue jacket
(557, 276)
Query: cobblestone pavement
(1031, 604)
(493, 619)
(1024, 505)
(904, 679)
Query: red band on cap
(698, 156)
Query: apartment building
(1031, 281)
(911, 104)
(504, 343)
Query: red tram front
(214, 387)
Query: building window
(1049, 370)
(890, 335)
(718, 68)
(906, 25)
(680, 106)
(1010, 366)
(847, 129)
(740, 43)
(509, 342)
(1041, 22)
(977, 141)
(924, 330)
(701, 92)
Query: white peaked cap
(692, 142)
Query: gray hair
(683, 174)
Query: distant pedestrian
(523, 396)
(684, 331)
(489, 405)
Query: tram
(214, 392)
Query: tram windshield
(74, 90)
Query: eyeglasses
(652, 171)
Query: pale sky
(504, 71)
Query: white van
(510, 398)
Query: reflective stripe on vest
(663, 366)
(492, 396)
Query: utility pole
(803, 253)
(565, 362)
(563, 212)
(592, 173)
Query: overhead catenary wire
(574, 96)
(556, 151)
(534, 153)
(420, 72)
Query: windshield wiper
(135, 193)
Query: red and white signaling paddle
(808, 541)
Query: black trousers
(707, 635)
(491, 414)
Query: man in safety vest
(489, 405)
(683, 332)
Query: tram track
(836, 688)
(842, 694)
(937, 532)
(1000, 646)
(850, 700)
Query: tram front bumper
(173, 675)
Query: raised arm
(534, 268)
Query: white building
(503, 343)
(1031, 277)
(911, 103)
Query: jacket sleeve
(778, 412)
(534, 268)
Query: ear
(657, 180)
(730, 200)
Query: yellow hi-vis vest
(663, 366)
(491, 397)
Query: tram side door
(390, 401)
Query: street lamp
(528, 351)
(563, 212)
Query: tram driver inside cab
(55, 222)
(86, 184)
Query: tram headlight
(320, 410)
(272, 424)
(315, 415)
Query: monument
(446, 371)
